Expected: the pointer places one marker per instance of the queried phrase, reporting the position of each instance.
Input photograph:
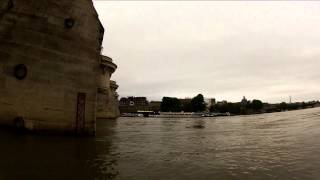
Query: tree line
(257, 106)
(173, 104)
(248, 107)
(197, 104)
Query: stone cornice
(114, 85)
(106, 62)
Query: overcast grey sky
(226, 50)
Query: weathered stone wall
(107, 107)
(107, 103)
(62, 61)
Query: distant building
(244, 101)
(222, 102)
(243, 108)
(209, 102)
(154, 106)
(133, 101)
(133, 104)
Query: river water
(282, 145)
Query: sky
(224, 50)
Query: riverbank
(197, 115)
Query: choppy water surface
(270, 146)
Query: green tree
(186, 106)
(248, 105)
(293, 106)
(256, 104)
(283, 106)
(221, 108)
(234, 108)
(170, 104)
(198, 104)
(212, 108)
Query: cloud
(265, 50)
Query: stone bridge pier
(107, 97)
(52, 75)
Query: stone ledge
(114, 85)
(106, 62)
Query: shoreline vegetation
(197, 107)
